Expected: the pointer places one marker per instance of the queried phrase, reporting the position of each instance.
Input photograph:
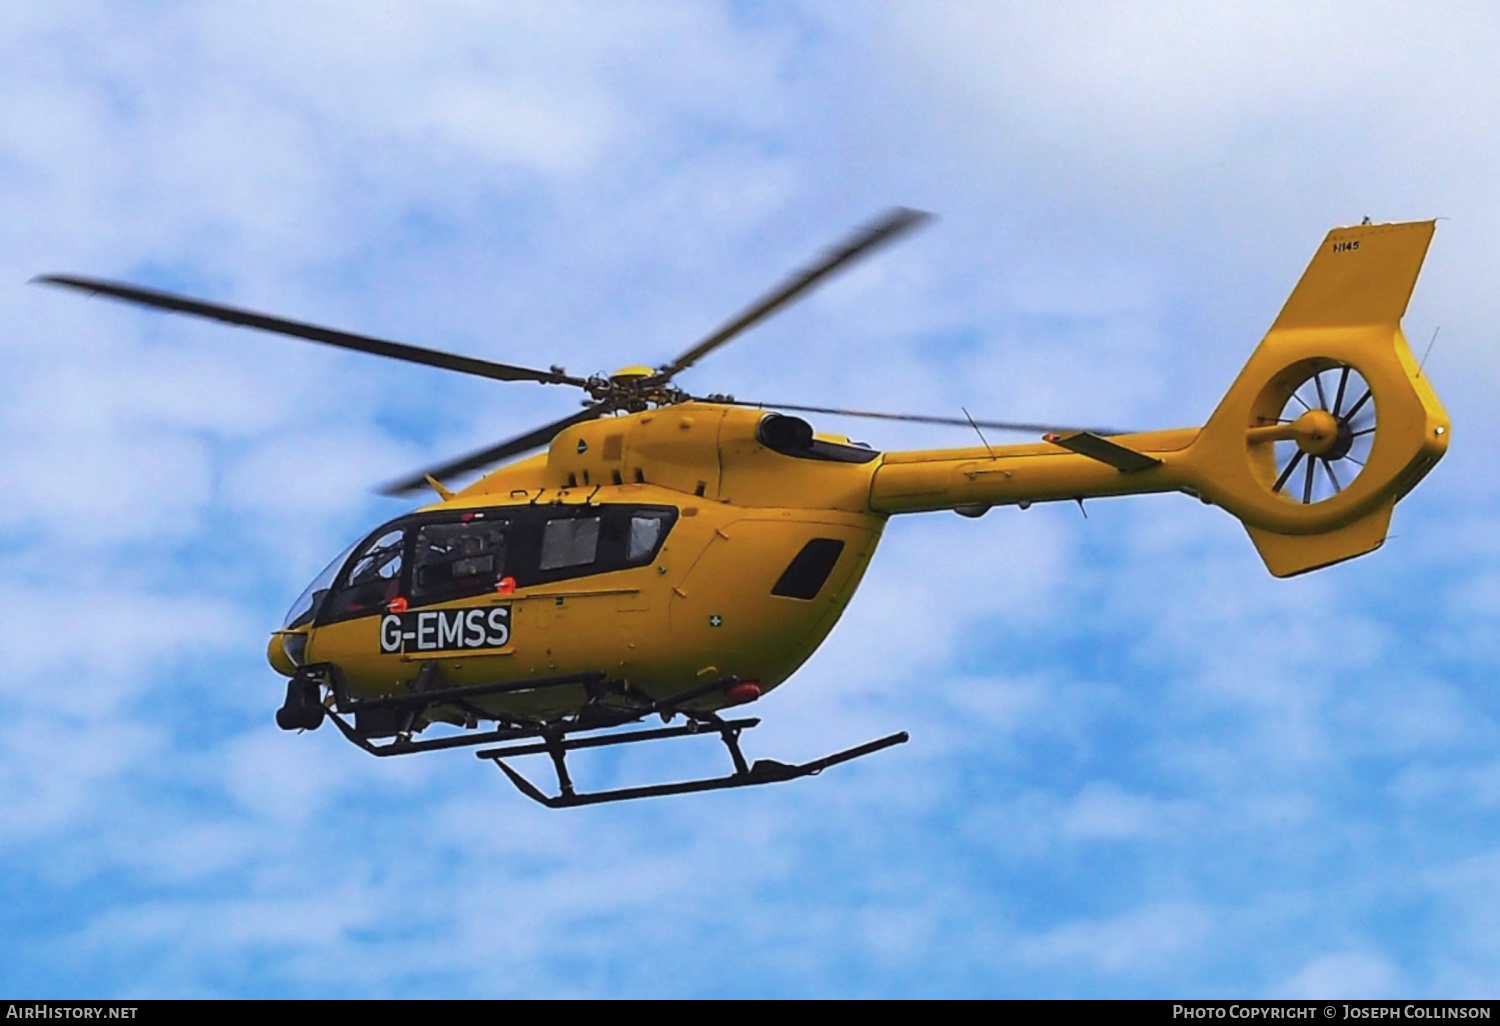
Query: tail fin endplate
(1345, 312)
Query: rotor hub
(1317, 433)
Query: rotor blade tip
(908, 217)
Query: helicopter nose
(284, 652)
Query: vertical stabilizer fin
(1360, 275)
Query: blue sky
(1139, 765)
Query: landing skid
(393, 717)
(764, 771)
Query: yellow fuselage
(698, 542)
(701, 609)
(706, 605)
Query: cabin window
(453, 559)
(646, 530)
(573, 542)
(441, 556)
(372, 579)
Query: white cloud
(1102, 811)
(1350, 976)
(1149, 939)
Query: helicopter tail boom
(1329, 424)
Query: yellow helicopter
(676, 555)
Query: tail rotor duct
(1323, 434)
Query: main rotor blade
(998, 425)
(494, 454)
(892, 224)
(310, 332)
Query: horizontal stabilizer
(1096, 447)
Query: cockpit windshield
(306, 606)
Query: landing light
(294, 644)
(743, 692)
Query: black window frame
(523, 545)
(613, 545)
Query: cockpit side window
(450, 560)
(569, 542)
(372, 578)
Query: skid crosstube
(556, 738)
(764, 771)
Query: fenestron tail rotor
(1323, 435)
